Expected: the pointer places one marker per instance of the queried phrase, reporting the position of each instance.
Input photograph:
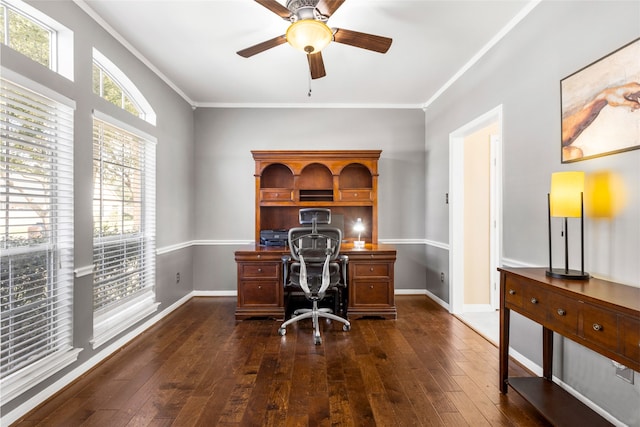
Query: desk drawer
(261, 270)
(362, 194)
(259, 293)
(600, 326)
(276, 194)
(370, 270)
(370, 293)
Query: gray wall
(523, 73)
(224, 199)
(205, 188)
(175, 179)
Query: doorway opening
(475, 219)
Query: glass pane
(130, 107)
(29, 38)
(111, 91)
(96, 79)
(2, 34)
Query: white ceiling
(192, 45)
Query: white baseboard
(410, 292)
(214, 293)
(440, 302)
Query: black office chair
(317, 267)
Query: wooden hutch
(345, 181)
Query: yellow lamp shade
(566, 194)
(604, 194)
(309, 35)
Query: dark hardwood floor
(199, 367)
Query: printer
(274, 237)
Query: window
(35, 35)
(27, 36)
(113, 85)
(123, 227)
(36, 235)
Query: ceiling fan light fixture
(309, 35)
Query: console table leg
(504, 348)
(547, 353)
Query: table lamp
(358, 228)
(566, 200)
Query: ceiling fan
(309, 32)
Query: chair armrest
(344, 260)
(285, 268)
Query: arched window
(110, 83)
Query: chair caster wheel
(346, 328)
(282, 331)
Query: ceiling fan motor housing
(303, 9)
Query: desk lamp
(566, 200)
(358, 228)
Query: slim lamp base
(561, 273)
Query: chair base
(315, 314)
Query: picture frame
(600, 106)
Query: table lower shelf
(558, 406)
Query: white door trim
(456, 204)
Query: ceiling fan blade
(316, 65)
(362, 40)
(276, 8)
(328, 7)
(261, 47)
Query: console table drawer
(262, 270)
(513, 294)
(370, 270)
(600, 327)
(630, 337)
(535, 302)
(563, 314)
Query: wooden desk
(600, 315)
(370, 285)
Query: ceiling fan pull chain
(309, 79)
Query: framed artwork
(601, 106)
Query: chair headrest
(314, 216)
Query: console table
(370, 281)
(600, 315)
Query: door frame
(456, 208)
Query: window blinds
(36, 230)
(123, 218)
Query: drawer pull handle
(512, 292)
(561, 312)
(597, 327)
(370, 286)
(259, 256)
(355, 194)
(370, 268)
(534, 300)
(259, 270)
(259, 286)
